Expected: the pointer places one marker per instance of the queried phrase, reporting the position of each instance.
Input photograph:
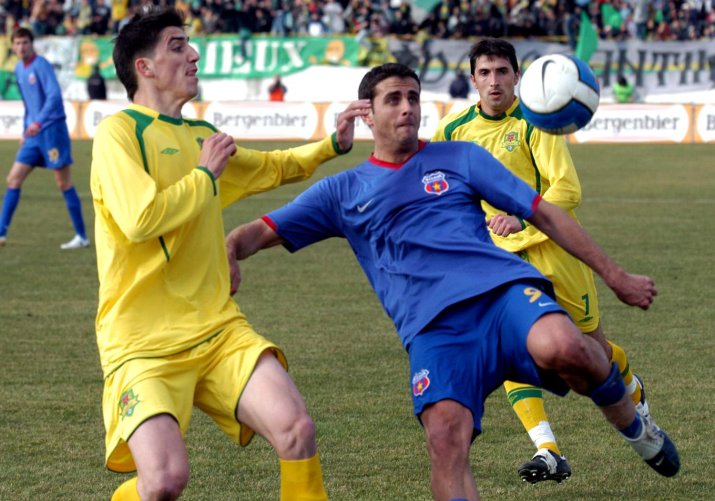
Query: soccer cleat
(654, 445)
(76, 243)
(657, 449)
(545, 465)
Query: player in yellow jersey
(169, 335)
(543, 161)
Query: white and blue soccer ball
(558, 94)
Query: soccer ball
(558, 94)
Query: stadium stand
(447, 19)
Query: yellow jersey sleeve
(252, 171)
(136, 202)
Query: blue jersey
(40, 92)
(417, 229)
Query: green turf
(650, 207)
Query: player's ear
(368, 119)
(517, 77)
(144, 67)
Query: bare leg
(17, 175)
(160, 455)
(272, 406)
(448, 426)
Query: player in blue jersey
(45, 140)
(469, 314)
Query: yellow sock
(302, 480)
(619, 356)
(528, 404)
(127, 491)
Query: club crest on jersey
(127, 402)
(435, 183)
(420, 382)
(511, 141)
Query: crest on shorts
(53, 154)
(127, 403)
(435, 183)
(511, 141)
(420, 382)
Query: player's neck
(27, 60)
(159, 102)
(396, 153)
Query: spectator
(316, 28)
(459, 88)
(83, 22)
(277, 91)
(96, 86)
(623, 90)
(333, 17)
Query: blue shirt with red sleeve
(417, 228)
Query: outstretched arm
(634, 290)
(245, 241)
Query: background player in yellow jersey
(543, 161)
(169, 335)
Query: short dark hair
(138, 38)
(22, 33)
(383, 72)
(493, 47)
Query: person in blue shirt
(45, 140)
(469, 314)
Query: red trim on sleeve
(270, 223)
(535, 203)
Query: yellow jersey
(541, 160)
(159, 232)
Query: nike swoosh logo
(543, 73)
(660, 461)
(362, 208)
(545, 304)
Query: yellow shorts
(210, 376)
(573, 282)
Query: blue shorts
(473, 346)
(50, 148)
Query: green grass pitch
(650, 206)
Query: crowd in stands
(615, 19)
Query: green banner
(230, 56)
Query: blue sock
(74, 207)
(633, 430)
(9, 204)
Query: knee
(556, 344)
(576, 352)
(448, 431)
(63, 184)
(297, 440)
(165, 484)
(13, 182)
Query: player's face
(395, 115)
(495, 80)
(173, 65)
(22, 48)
